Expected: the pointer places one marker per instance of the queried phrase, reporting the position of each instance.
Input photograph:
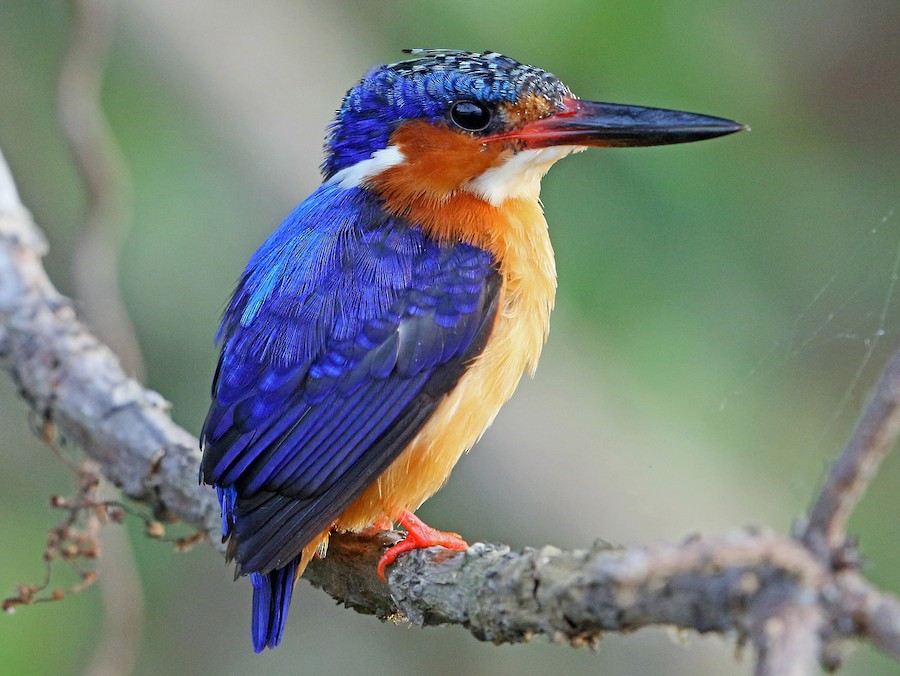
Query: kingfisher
(374, 336)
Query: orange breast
(529, 287)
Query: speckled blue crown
(424, 87)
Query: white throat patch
(520, 175)
(357, 174)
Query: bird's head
(450, 124)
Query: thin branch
(771, 590)
(851, 473)
(105, 175)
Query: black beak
(588, 123)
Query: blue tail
(271, 599)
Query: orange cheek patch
(438, 161)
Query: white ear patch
(357, 174)
(520, 175)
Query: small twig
(850, 474)
(74, 542)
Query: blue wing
(344, 334)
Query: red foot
(419, 535)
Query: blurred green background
(724, 307)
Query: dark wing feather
(272, 528)
(338, 367)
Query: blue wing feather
(345, 331)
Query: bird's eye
(470, 115)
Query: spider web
(852, 322)
(872, 340)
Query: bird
(374, 336)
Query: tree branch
(852, 472)
(777, 592)
(70, 379)
(788, 641)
